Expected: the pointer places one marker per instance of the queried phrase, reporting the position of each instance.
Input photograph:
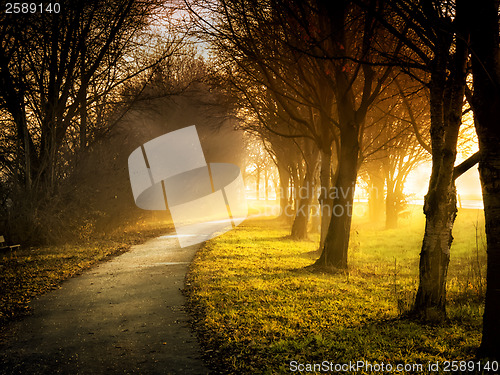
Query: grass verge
(256, 307)
(29, 272)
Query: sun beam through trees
(366, 133)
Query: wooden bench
(4, 246)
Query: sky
(468, 185)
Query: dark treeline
(79, 90)
(369, 89)
(62, 76)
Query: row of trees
(79, 90)
(347, 80)
(337, 90)
(66, 80)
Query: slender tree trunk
(295, 188)
(22, 125)
(299, 226)
(337, 239)
(315, 215)
(266, 184)
(283, 190)
(324, 200)
(376, 197)
(440, 211)
(391, 211)
(391, 198)
(27, 156)
(393, 204)
(489, 171)
(305, 197)
(257, 183)
(485, 41)
(440, 208)
(83, 99)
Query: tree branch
(466, 165)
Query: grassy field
(257, 307)
(29, 272)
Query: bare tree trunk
(295, 188)
(83, 95)
(394, 204)
(391, 209)
(27, 156)
(283, 190)
(337, 239)
(391, 198)
(376, 196)
(266, 184)
(489, 171)
(257, 183)
(485, 41)
(324, 200)
(305, 197)
(440, 211)
(446, 101)
(299, 226)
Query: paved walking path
(124, 316)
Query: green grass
(257, 307)
(29, 272)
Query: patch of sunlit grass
(257, 306)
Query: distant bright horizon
(417, 183)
